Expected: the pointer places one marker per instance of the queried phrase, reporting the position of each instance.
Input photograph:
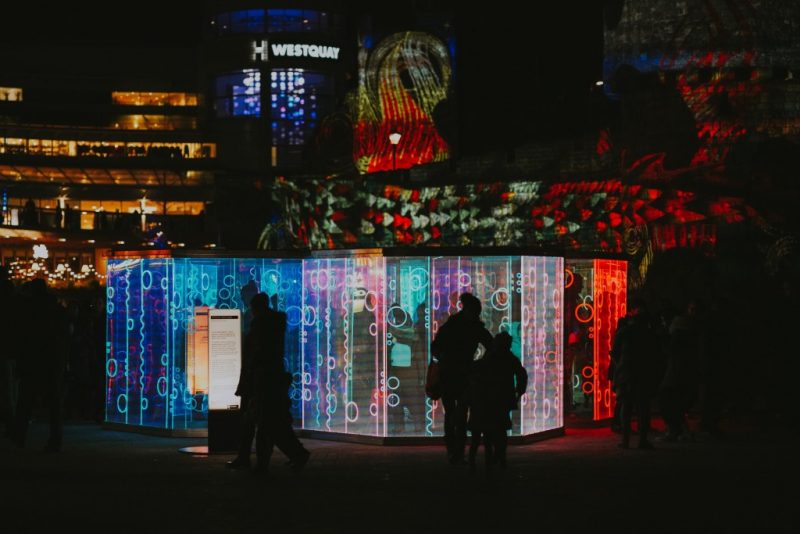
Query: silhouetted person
(636, 372)
(8, 351)
(58, 223)
(41, 369)
(265, 379)
(30, 216)
(614, 353)
(497, 382)
(247, 412)
(454, 347)
(713, 363)
(69, 218)
(680, 383)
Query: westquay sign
(261, 50)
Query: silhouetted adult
(680, 383)
(614, 353)
(497, 382)
(636, 372)
(717, 348)
(8, 351)
(59, 223)
(265, 379)
(454, 347)
(30, 216)
(247, 412)
(42, 367)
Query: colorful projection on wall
(359, 332)
(728, 63)
(586, 216)
(401, 81)
(595, 293)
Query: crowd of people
(671, 361)
(52, 358)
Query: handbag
(433, 386)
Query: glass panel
(143, 380)
(248, 21)
(239, 94)
(357, 345)
(155, 122)
(408, 341)
(542, 284)
(230, 283)
(285, 20)
(344, 351)
(298, 99)
(595, 293)
(136, 98)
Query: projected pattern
(368, 323)
(140, 372)
(542, 344)
(359, 332)
(595, 296)
(152, 348)
(400, 83)
(343, 345)
(408, 340)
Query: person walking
(265, 382)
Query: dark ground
(579, 482)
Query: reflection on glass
(359, 332)
(595, 293)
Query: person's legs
(460, 427)
(7, 396)
(474, 444)
(643, 402)
(27, 396)
(489, 449)
(54, 395)
(449, 404)
(287, 442)
(283, 436)
(264, 446)
(671, 412)
(500, 440)
(625, 414)
(616, 422)
(247, 431)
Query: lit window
(245, 21)
(11, 94)
(299, 99)
(140, 98)
(238, 94)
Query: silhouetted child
(497, 382)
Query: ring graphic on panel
(359, 329)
